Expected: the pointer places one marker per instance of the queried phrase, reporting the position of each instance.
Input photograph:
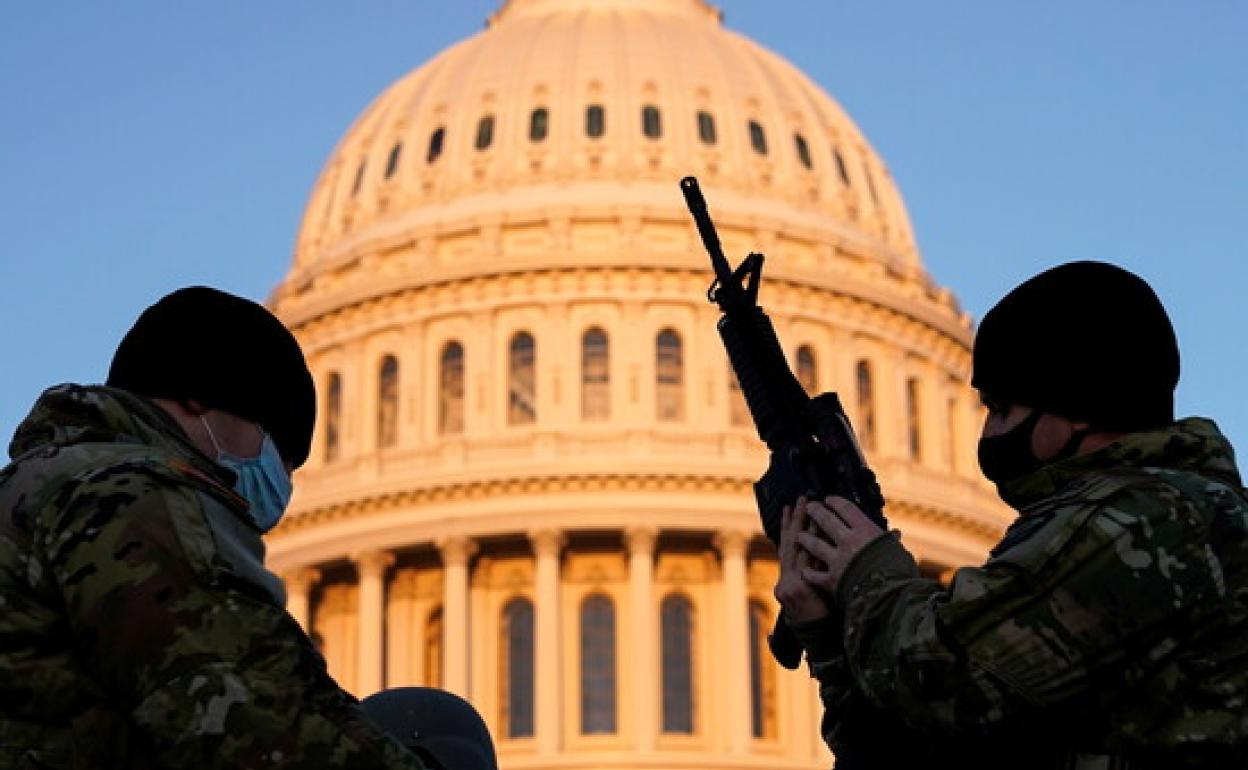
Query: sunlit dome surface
(573, 105)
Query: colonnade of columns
(547, 545)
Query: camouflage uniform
(138, 626)
(1108, 629)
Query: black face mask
(1009, 456)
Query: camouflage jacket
(138, 626)
(1108, 629)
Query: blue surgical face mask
(262, 480)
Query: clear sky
(148, 145)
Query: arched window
(485, 132)
(597, 665)
(539, 124)
(840, 166)
(762, 675)
(388, 402)
(333, 416)
(451, 389)
(595, 121)
(669, 377)
(651, 125)
(517, 675)
(435, 144)
(914, 415)
(676, 618)
(595, 376)
(706, 127)
(359, 179)
(522, 380)
(803, 151)
(758, 139)
(392, 162)
(807, 370)
(433, 649)
(738, 409)
(866, 406)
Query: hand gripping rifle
(814, 452)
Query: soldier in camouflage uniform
(1109, 627)
(138, 625)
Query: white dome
(451, 146)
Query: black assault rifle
(814, 452)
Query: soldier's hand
(800, 601)
(846, 531)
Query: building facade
(531, 477)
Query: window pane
(485, 132)
(758, 140)
(866, 407)
(522, 390)
(914, 416)
(333, 416)
(762, 676)
(538, 124)
(433, 649)
(392, 163)
(669, 376)
(706, 127)
(595, 120)
(359, 178)
(597, 665)
(517, 679)
(435, 145)
(677, 664)
(806, 370)
(875, 198)
(595, 376)
(803, 151)
(451, 389)
(388, 403)
(650, 124)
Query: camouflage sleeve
(1096, 590)
(213, 672)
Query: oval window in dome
(651, 124)
(595, 121)
(485, 132)
(803, 150)
(392, 163)
(435, 145)
(706, 127)
(539, 124)
(359, 179)
(758, 139)
(840, 166)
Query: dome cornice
(546, 486)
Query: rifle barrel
(710, 239)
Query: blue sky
(149, 145)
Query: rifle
(814, 452)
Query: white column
(299, 582)
(732, 544)
(456, 551)
(371, 567)
(547, 544)
(645, 636)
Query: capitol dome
(531, 474)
